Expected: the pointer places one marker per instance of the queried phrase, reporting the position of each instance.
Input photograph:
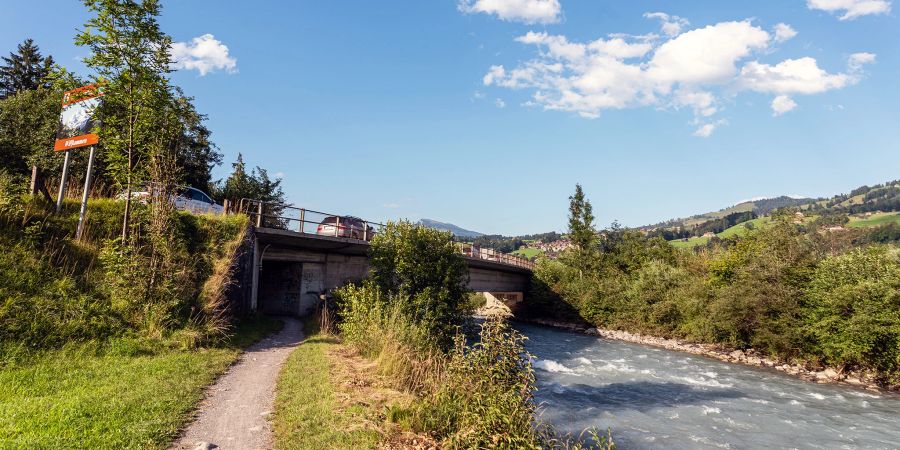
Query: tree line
(791, 290)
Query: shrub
(853, 316)
(422, 270)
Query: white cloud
(851, 9)
(204, 54)
(782, 104)
(706, 55)
(670, 25)
(500, 103)
(706, 130)
(784, 32)
(857, 60)
(527, 11)
(694, 69)
(391, 205)
(279, 175)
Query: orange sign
(77, 119)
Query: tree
(198, 154)
(28, 122)
(131, 56)
(25, 70)
(421, 267)
(581, 222)
(255, 186)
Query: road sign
(77, 120)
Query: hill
(443, 226)
(758, 206)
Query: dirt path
(234, 414)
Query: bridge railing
(489, 254)
(308, 221)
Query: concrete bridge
(287, 267)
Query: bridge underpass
(291, 269)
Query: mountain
(457, 231)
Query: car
(186, 199)
(345, 226)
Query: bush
(853, 316)
(485, 397)
(421, 269)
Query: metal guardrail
(307, 221)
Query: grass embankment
(328, 397)
(120, 393)
(528, 252)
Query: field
(875, 220)
(124, 393)
(528, 252)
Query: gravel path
(234, 414)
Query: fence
(307, 221)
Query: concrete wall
(485, 280)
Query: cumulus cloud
(204, 54)
(851, 9)
(782, 104)
(670, 25)
(693, 69)
(784, 32)
(500, 103)
(526, 11)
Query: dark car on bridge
(345, 226)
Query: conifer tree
(24, 70)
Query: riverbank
(749, 357)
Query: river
(655, 398)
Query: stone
(737, 354)
(202, 445)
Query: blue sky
(485, 113)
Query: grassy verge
(124, 393)
(329, 397)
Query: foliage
(790, 290)
(485, 397)
(581, 224)
(852, 316)
(24, 70)
(421, 269)
(255, 185)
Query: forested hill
(758, 207)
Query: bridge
(295, 255)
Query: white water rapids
(655, 398)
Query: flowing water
(655, 398)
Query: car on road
(345, 226)
(186, 199)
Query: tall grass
(477, 394)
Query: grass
(308, 413)
(874, 220)
(690, 243)
(528, 252)
(123, 393)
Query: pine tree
(581, 221)
(24, 70)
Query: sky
(486, 113)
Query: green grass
(875, 220)
(690, 243)
(528, 252)
(124, 393)
(306, 413)
(740, 229)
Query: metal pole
(302, 217)
(63, 181)
(84, 196)
(259, 215)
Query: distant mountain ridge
(759, 206)
(456, 230)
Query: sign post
(84, 196)
(63, 181)
(76, 124)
